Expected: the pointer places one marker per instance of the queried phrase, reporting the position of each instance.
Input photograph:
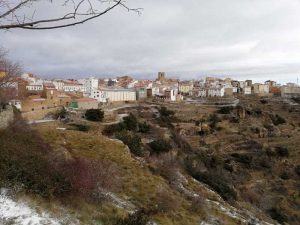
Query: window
(32, 109)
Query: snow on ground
(15, 212)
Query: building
(91, 84)
(35, 87)
(290, 91)
(216, 92)
(73, 86)
(261, 89)
(247, 90)
(185, 87)
(114, 95)
(141, 93)
(59, 84)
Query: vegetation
(278, 215)
(160, 146)
(79, 127)
(40, 170)
(94, 115)
(130, 123)
(165, 112)
(282, 152)
(226, 109)
(277, 120)
(132, 140)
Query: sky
(190, 39)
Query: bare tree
(25, 14)
(9, 71)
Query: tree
(94, 114)
(26, 14)
(8, 73)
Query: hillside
(221, 170)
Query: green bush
(277, 120)
(131, 122)
(144, 127)
(94, 115)
(282, 152)
(80, 127)
(166, 112)
(242, 158)
(226, 109)
(218, 183)
(297, 170)
(159, 146)
(278, 215)
(132, 140)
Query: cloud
(188, 39)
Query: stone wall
(6, 116)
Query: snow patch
(20, 213)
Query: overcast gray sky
(257, 39)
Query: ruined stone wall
(6, 116)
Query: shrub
(166, 112)
(144, 127)
(132, 140)
(94, 114)
(226, 109)
(278, 215)
(216, 180)
(264, 101)
(80, 127)
(282, 152)
(277, 120)
(242, 158)
(131, 122)
(60, 114)
(297, 170)
(160, 145)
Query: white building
(216, 92)
(114, 95)
(59, 84)
(35, 87)
(91, 84)
(73, 87)
(247, 90)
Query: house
(261, 89)
(185, 87)
(35, 87)
(114, 95)
(290, 91)
(216, 92)
(91, 84)
(73, 86)
(84, 103)
(171, 94)
(199, 92)
(59, 84)
(141, 93)
(247, 90)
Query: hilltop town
(36, 97)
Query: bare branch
(82, 11)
